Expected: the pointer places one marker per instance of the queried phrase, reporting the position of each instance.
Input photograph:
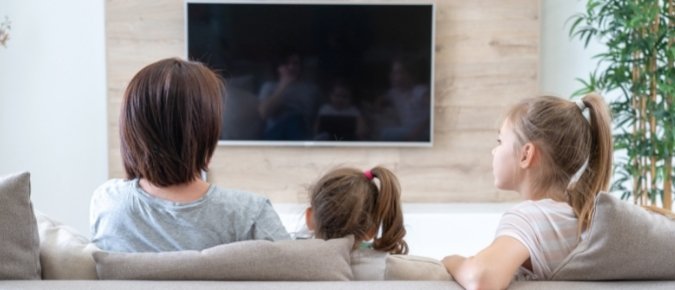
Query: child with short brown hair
(169, 128)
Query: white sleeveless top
(547, 228)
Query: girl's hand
(492, 268)
(453, 262)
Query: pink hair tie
(368, 174)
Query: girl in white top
(543, 145)
(347, 201)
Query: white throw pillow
(65, 254)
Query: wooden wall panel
(487, 55)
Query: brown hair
(346, 202)
(567, 142)
(170, 121)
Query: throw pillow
(624, 242)
(259, 260)
(65, 254)
(407, 267)
(19, 242)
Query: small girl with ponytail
(558, 160)
(347, 201)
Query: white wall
(52, 103)
(53, 113)
(563, 59)
(433, 230)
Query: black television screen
(302, 73)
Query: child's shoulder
(539, 207)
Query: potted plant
(5, 26)
(637, 68)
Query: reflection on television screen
(345, 73)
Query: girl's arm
(491, 268)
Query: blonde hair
(568, 142)
(346, 201)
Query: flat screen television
(319, 73)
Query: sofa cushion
(65, 254)
(299, 260)
(408, 267)
(624, 242)
(19, 241)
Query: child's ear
(527, 155)
(309, 220)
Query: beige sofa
(624, 243)
(371, 285)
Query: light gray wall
(53, 103)
(563, 59)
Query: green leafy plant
(638, 68)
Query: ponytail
(596, 175)
(582, 147)
(347, 201)
(388, 214)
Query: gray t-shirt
(125, 218)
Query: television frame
(312, 143)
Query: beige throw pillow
(19, 241)
(624, 242)
(407, 267)
(65, 254)
(258, 260)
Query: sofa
(625, 248)
(313, 285)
